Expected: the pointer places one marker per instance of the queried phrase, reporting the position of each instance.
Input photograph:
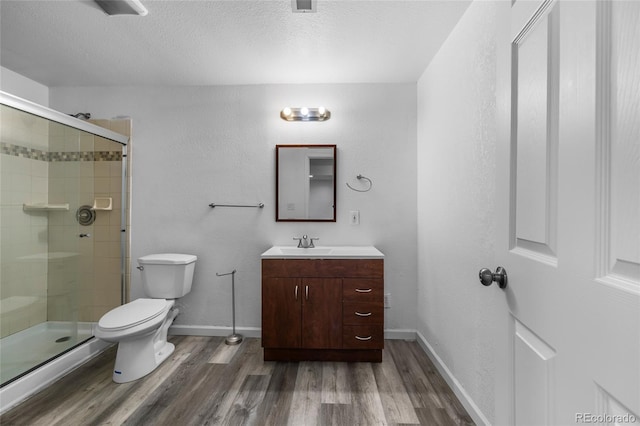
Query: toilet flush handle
(140, 268)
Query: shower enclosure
(63, 218)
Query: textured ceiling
(197, 42)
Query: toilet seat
(133, 313)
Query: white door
(568, 193)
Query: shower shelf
(45, 207)
(102, 203)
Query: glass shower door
(61, 232)
(69, 242)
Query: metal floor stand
(233, 338)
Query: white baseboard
(399, 334)
(206, 330)
(453, 383)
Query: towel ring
(359, 177)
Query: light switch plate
(354, 217)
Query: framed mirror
(305, 183)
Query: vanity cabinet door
(321, 313)
(281, 313)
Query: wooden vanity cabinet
(322, 309)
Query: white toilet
(140, 327)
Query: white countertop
(323, 252)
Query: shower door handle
(85, 235)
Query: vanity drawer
(354, 313)
(363, 290)
(363, 337)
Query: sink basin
(337, 252)
(296, 251)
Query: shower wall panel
(80, 173)
(24, 242)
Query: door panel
(570, 198)
(534, 375)
(534, 63)
(619, 155)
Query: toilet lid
(132, 314)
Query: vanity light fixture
(305, 114)
(122, 7)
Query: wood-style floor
(206, 382)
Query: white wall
(456, 203)
(23, 87)
(197, 145)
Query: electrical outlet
(354, 217)
(387, 300)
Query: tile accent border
(21, 151)
(38, 154)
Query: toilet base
(138, 357)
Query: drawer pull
(366, 314)
(362, 290)
(296, 292)
(363, 338)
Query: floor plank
(206, 382)
(366, 396)
(395, 401)
(335, 386)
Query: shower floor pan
(23, 351)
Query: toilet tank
(167, 275)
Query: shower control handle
(84, 235)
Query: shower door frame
(67, 120)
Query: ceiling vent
(122, 7)
(304, 6)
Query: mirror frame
(334, 147)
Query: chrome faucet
(305, 242)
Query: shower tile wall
(106, 229)
(95, 280)
(124, 127)
(23, 179)
(79, 279)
